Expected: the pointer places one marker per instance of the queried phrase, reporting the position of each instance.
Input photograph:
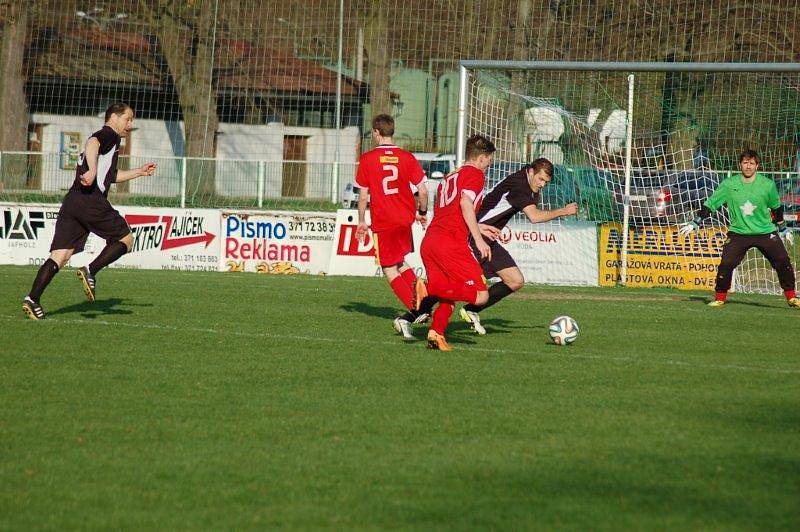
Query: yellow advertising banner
(660, 256)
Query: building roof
(115, 56)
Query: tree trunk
(13, 107)
(515, 149)
(187, 44)
(376, 38)
(14, 172)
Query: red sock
(790, 294)
(441, 316)
(721, 296)
(409, 276)
(402, 290)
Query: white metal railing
(178, 177)
(236, 181)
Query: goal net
(687, 131)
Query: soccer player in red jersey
(385, 176)
(453, 271)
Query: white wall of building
(54, 177)
(239, 144)
(240, 147)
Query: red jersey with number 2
(448, 221)
(388, 173)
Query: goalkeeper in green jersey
(756, 216)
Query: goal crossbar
(634, 66)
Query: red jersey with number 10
(448, 220)
(388, 173)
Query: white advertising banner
(165, 239)
(285, 242)
(553, 253)
(169, 239)
(26, 233)
(276, 242)
(351, 257)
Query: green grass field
(211, 401)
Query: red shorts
(448, 261)
(392, 245)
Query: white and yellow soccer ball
(563, 330)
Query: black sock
(47, 271)
(109, 254)
(496, 292)
(410, 315)
(425, 307)
(427, 304)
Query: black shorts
(501, 259)
(81, 214)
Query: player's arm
(711, 204)
(90, 155)
(776, 208)
(362, 182)
(489, 231)
(695, 223)
(418, 179)
(784, 231)
(537, 215)
(422, 205)
(468, 212)
(363, 198)
(127, 175)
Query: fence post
(261, 171)
(183, 182)
(335, 183)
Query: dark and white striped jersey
(506, 199)
(106, 162)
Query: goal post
(640, 146)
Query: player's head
(382, 127)
(748, 162)
(480, 151)
(119, 116)
(540, 172)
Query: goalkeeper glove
(785, 233)
(688, 228)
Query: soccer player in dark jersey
(756, 221)
(86, 209)
(519, 192)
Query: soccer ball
(563, 330)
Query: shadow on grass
(734, 302)
(370, 310)
(492, 325)
(519, 496)
(99, 308)
(457, 325)
(502, 325)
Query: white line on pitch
(628, 360)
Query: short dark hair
(384, 124)
(542, 164)
(478, 145)
(117, 108)
(749, 154)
